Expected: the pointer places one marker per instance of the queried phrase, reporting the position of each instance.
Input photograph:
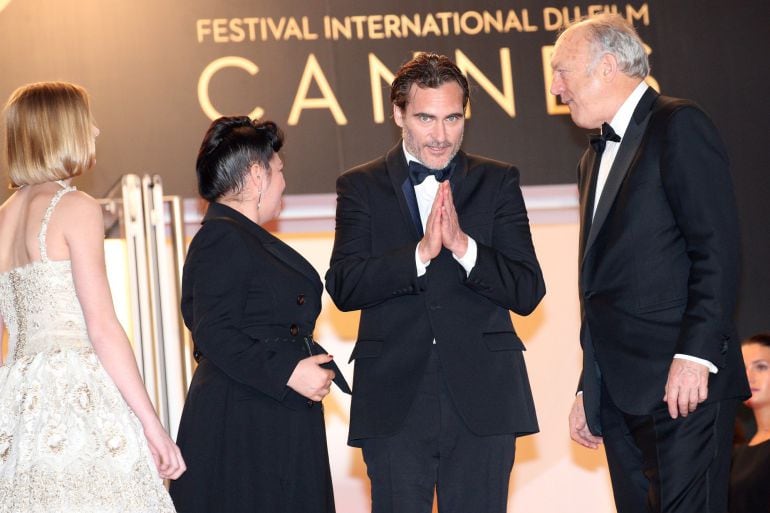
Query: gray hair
(610, 33)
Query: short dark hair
(229, 148)
(760, 338)
(426, 70)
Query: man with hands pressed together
(433, 246)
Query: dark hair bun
(230, 147)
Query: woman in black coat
(252, 429)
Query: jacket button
(301, 299)
(294, 330)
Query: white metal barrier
(150, 229)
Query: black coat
(250, 442)
(659, 262)
(373, 269)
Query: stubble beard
(411, 147)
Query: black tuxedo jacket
(373, 269)
(659, 262)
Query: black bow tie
(598, 142)
(418, 173)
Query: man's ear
(608, 67)
(398, 115)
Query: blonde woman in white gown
(78, 433)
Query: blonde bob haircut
(49, 133)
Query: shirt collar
(623, 116)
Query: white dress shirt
(619, 124)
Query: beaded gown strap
(47, 217)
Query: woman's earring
(259, 199)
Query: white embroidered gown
(68, 441)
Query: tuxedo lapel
(398, 172)
(266, 240)
(620, 167)
(589, 167)
(408, 195)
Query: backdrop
(159, 71)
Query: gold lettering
(306, 33)
(444, 17)
(341, 27)
(312, 72)
(505, 98)
(237, 34)
(378, 73)
(359, 23)
(430, 26)
(327, 28)
(593, 10)
(251, 23)
(392, 27)
(642, 14)
(495, 21)
(525, 19)
(276, 30)
(202, 29)
(374, 24)
(466, 28)
(512, 22)
(220, 30)
(410, 25)
(203, 84)
(263, 29)
(552, 19)
(292, 30)
(386, 26)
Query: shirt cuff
(711, 367)
(468, 261)
(421, 268)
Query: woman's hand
(167, 456)
(311, 380)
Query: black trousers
(434, 450)
(663, 465)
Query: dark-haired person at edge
(433, 246)
(750, 470)
(662, 372)
(252, 430)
